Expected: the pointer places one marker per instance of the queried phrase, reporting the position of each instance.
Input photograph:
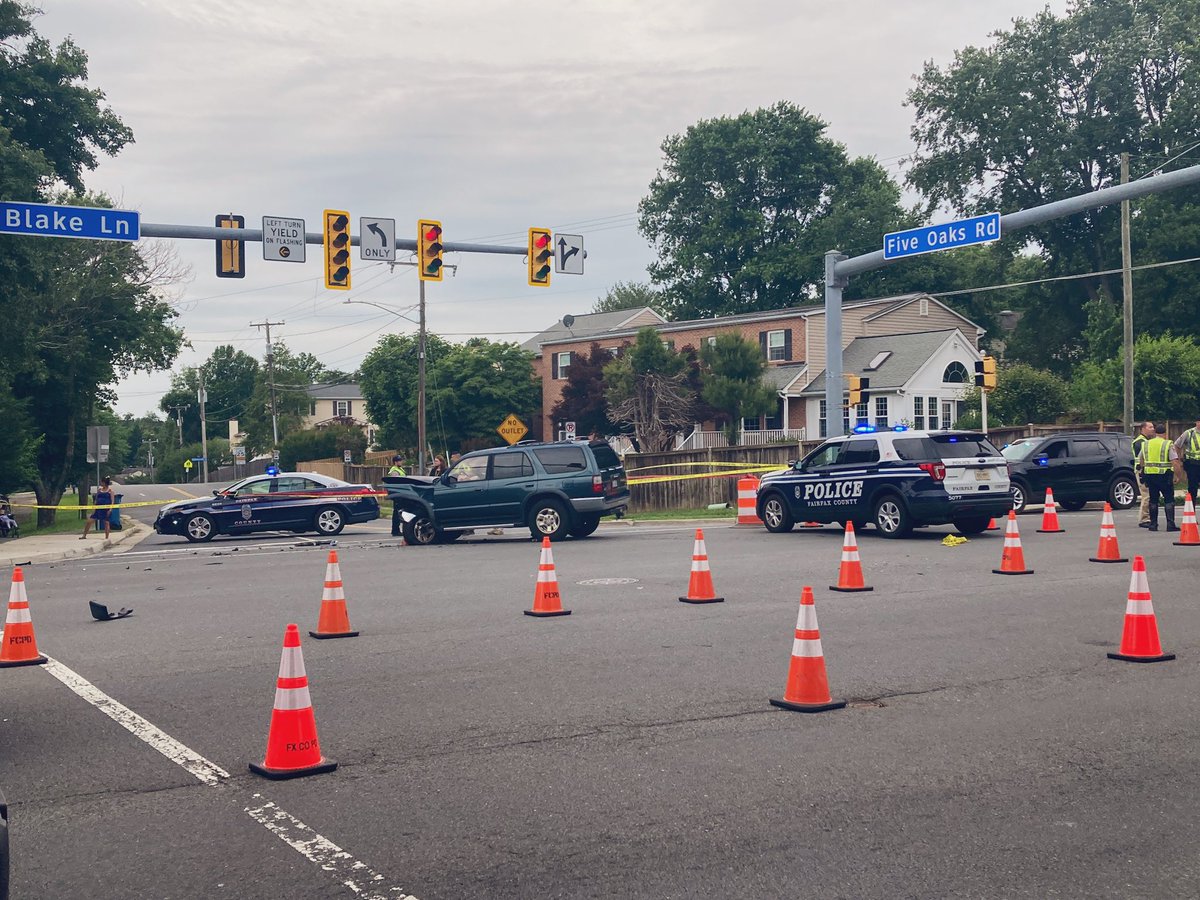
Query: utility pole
(150, 455)
(271, 379)
(179, 420)
(1127, 289)
(202, 396)
(421, 384)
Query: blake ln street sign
(84, 222)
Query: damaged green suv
(555, 489)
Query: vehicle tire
(777, 515)
(199, 528)
(548, 518)
(1072, 505)
(1020, 496)
(1122, 493)
(329, 521)
(891, 517)
(973, 525)
(587, 525)
(420, 531)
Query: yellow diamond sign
(512, 429)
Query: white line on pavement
(357, 876)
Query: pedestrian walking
(103, 504)
(1160, 463)
(1188, 445)
(1144, 434)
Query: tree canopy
(648, 388)
(733, 371)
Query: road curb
(24, 552)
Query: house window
(669, 345)
(933, 414)
(774, 421)
(312, 408)
(614, 351)
(751, 424)
(948, 416)
(711, 340)
(919, 413)
(823, 429)
(860, 415)
(881, 412)
(956, 373)
(562, 362)
(776, 345)
(341, 408)
(923, 306)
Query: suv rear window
(961, 446)
(559, 460)
(606, 457)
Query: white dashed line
(355, 875)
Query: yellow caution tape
(953, 540)
(89, 507)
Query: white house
(918, 380)
(339, 404)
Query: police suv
(895, 479)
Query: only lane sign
(84, 222)
(930, 238)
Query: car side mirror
(450, 479)
(216, 493)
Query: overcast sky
(475, 113)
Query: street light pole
(421, 383)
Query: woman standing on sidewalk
(104, 499)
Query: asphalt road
(990, 748)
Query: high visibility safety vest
(1157, 456)
(1138, 440)
(1191, 452)
(396, 470)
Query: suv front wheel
(548, 518)
(891, 517)
(776, 514)
(420, 531)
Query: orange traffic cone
(547, 601)
(992, 526)
(1050, 516)
(700, 587)
(20, 646)
(333, 621)
(807, 685)
(1012, 560)
(1139, 640)
(1189, 536)
(292, 747)
(1108, 551)
(850, 575)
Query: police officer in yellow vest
(1146, 432)
(1188, 445)
(396, 469)
(1160, 464)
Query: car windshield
(1019, 450)
(961, 446)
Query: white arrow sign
(377, 239)
(568, 254)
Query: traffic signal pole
(839, 268)
(209, 233)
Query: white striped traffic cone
(1108, 551)
(700, 585)
(807, 685)
(1139, 639)
(1012, 559)
(850, 575)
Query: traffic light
(854, 383)
(231, 254)
(429, 250)
(985, 373)
(864, 385)
(541, 256)
(337, 249)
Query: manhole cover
(609, 581)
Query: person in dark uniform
(1188, 446)
(1160, 465)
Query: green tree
(230, 379)
(474, 386)
(388, 381)
(1023, 394)
(733, 372)
(294, 374)
(583, 401)
(744, 209)
(321, 443)
(1043, 113)
(648, 388)
(1166, 381)
(627, 295)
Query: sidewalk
(44, 548)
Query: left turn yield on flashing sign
(83, 222)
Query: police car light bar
(864, 429)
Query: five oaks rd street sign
(85, 222)
(978, 230)
(283, 239)
(512, 429)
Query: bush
(322, 443)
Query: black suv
(896, 480)
(555, 489)
(1078, 466)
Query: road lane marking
(354, 874)
(182, 492)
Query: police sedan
(287, 501)
(894, 479)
